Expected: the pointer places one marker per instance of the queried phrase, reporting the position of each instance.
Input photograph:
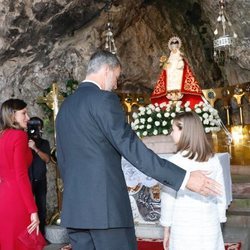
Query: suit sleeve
(60, 155)
(22, 154)
(110, 118)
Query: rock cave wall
(46, 41)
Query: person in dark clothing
(37, 171)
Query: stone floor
(231, 234)
(237, 227)
(54, 246)
(238, 215)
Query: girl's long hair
(193, 139)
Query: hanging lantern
(109, 38)
(224, 36)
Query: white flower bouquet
(157, 119)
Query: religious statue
(176, 81)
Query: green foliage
(70, 86)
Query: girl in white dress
(190, 220)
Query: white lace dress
(194, 219)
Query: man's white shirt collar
(86, 80)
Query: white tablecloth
(134, 177)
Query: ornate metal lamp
(224, 35)
(109, 38)
(52, 100)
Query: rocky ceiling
(42, 41)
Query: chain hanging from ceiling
(109, 35)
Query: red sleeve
(22, 160)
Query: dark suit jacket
(92, 135)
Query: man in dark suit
(92, 135)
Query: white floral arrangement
(157, 119)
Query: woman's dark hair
(7, 112)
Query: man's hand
(198, 182)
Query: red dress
(16, 198)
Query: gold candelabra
(53, 99)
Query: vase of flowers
(155, 119)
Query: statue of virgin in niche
(176, 81)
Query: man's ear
(13, 117)
(104, 70)
(107, 69)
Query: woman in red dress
(18, 211)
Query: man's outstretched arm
(200, 183)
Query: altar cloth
(135, 179)
(145, 202)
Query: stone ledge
(56, 234)
(236, 234)
(230, 234)
(149, 230)
(241, 170)
(239, 221)
(160, 144)
(241, 190)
